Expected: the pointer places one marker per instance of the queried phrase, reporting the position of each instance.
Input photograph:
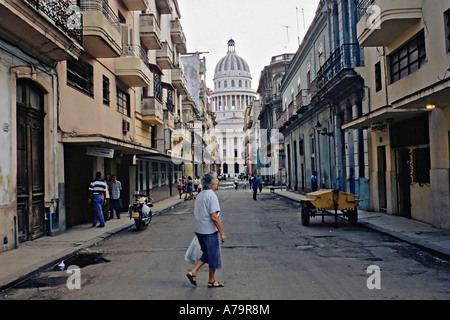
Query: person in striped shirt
(97, 190)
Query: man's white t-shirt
(205, 204)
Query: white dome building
(231, 95)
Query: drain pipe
(16, 245)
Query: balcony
(152, 111)
(49, 33)
(303, 100)
(164, 56)
(150, 31)
(177, 35)
(182, 132)
(132, 67)
(164, 6)
(101, 29)
(179, 81)
(169, 120)
(339, 69)
(135, 5)
(382, 22)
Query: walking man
(254, 182)
(97, 190)
(116, 202)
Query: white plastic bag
(193, 252)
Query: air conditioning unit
(125, 126)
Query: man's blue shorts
(210, 246)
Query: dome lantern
(231, 46)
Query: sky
(260, 28)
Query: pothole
(80, 260)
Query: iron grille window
(408, 59)
(123, 102)
(378, 80)
(80, 76)
(169, 103)
(154, 137)
(106, 90)
(157, 86)
(447, 28)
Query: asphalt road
(268, 255)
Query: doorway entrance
(30, 161)
(404, 182)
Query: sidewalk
(414, 232)
(46, 251)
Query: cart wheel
(305, 216)
(352, 216)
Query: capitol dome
(232, 65)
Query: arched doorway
(30, 160)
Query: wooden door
(30, 161)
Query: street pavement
(45, 252)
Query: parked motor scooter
(140, 211)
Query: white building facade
(231, 95)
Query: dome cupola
(232, 65)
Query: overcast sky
(260, 28)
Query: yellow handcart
(329, 202)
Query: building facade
(101, 94)
(406, 107)
(34, 37)
(271, 155)
(231, 95)
(322, 89)
(196, 125)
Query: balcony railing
(363, 5)
(64, 14)
(100, 6)
(348, 56)
(133, 50)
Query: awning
(100, 141)
(161, 158)
(383, 114)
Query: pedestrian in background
(180, 187)
(97, 196)
(236, 182)
(260, 183)
(208, 228)
(106, 215)
(116, 202)
(189, 189)
(254, 183)
(196, 184)
(314, 181)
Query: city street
(268, 255)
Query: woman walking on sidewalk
(208, 228)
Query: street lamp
(318, 126)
